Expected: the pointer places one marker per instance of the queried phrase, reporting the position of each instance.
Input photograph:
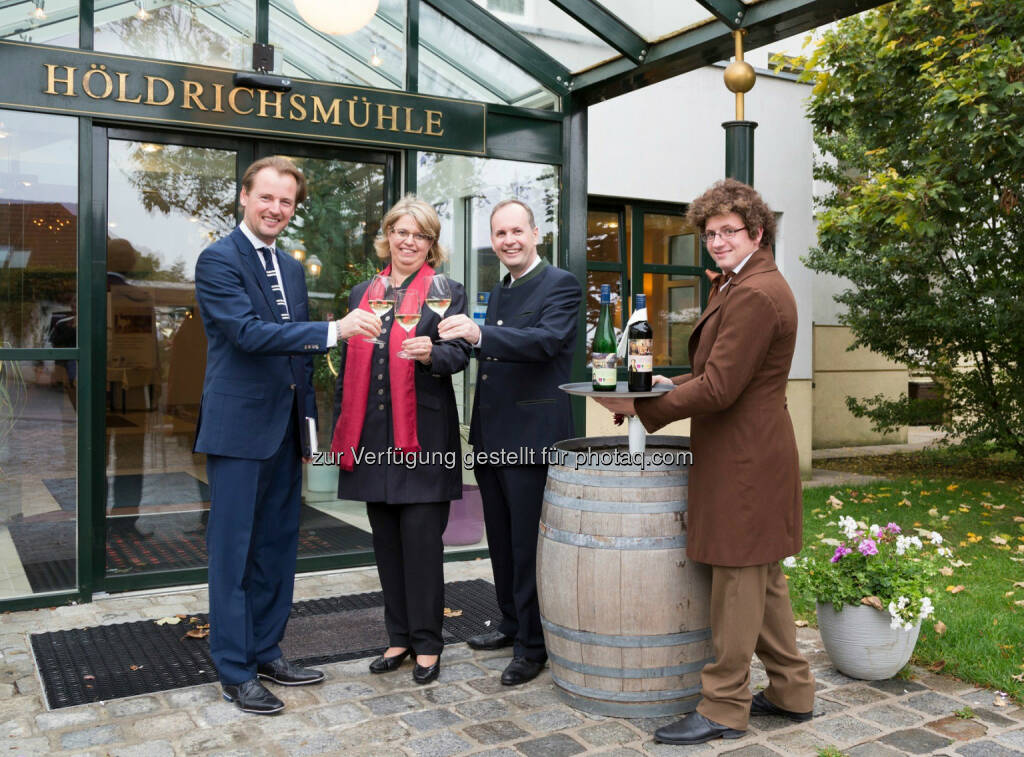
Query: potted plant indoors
(872, 593)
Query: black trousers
(409, 552)
(512, 497)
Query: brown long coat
(745, 497)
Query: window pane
(38, 485)
(673, 307)
(603, 238)
(454, 63)
(54, 22)
(554, 31)
(186, 31)
(654, 19)
(670, 240)
(38, 227)
(373, 56)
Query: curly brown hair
(732, 196)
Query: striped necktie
(275, 283)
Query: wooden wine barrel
(625, 613)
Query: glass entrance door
(167, 199)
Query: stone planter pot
(861, 642)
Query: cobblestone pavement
(467, 712)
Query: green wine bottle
(603, 348)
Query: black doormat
(126, 659)
(164, 541)
(136, 490)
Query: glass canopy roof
(527, 53)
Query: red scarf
(401, 372)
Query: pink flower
(868, 547)
(893, 528)
(841, 551)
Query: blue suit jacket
(257, 368)
(527, 348)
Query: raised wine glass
(439, 294)
(380, 296)
(408, 308)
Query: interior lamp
(333, 17)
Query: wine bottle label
(603, 368)
(641, 358)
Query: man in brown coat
(745, 511)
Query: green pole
(739, 150)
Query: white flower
(789, 562)
(901, 544)
(926, 608)
(944, 552)
(848, 526)
(874, 529)
(895, 622)
(936, 537)
(916, 542)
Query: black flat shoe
(388, 664)
(490, 640)
(424, 675)
(520, 670)
(252, 696)
(695, 729)
(760, 705)
(288, 674)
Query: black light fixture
(260, 77)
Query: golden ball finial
(739, 76)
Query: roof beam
(765, 22)
(729, 12)
(607, 26)
(508, 42)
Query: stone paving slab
(468, 712)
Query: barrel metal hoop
(604, 506)
(628, 710)
(599, 670)
(568, 476)
(620, 543)
(616, 640)
(626, 696)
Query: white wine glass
(380, 296)
(408, 309)
(439, 297)
(439, 294)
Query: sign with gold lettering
(82, 82)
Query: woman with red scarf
(397, 440)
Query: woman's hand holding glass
(408, 310)
(380, 296)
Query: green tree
(918, 109)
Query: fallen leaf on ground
(171, 621)
(450, 613)
(89, 677)
(835, 502)
(955, 589)
(1008, 594)
(136, 667)
(1018, 584)
(998, 507)
(999, 702)
(960, 564)
(1019, 603)
(1018, 677)
(935, 667)
(952, 487)
(946, 571)
(934, 513)
(801, 624)
(997, 540)
(197, 633)
(940, 627)
(1018, 519)
(872, 601)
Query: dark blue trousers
(252, 537)
(512, 498)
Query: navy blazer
(437, 475)
(257, 367)
(526, 351)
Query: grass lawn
(982, 601)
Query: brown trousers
(750, 612)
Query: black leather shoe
(760, 705)
(424, 675)
(288, 674)
(520, 670)
(388, 664)
(490, 640)
(694, 729)
(252, 696)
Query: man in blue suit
(257, 395)
(525, 350)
